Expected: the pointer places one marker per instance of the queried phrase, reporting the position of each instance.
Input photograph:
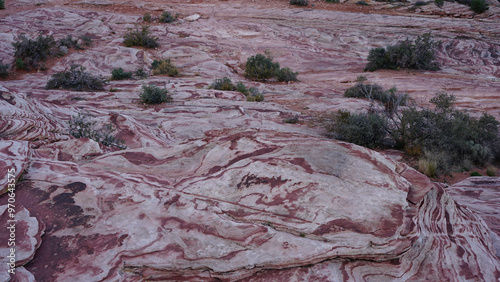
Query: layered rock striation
(211, 187)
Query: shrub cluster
(140, 73)
(445, 139)
(4, 70)
(164, 67)
(2, 4)
(418, 54)
(80, 126)
(120, 74)
(31, 53)
(299, 2)
(140, 36)
(225, 84)
(479, 6)
(76, 78)
(167, 17)
(152, 94)
(261, 68)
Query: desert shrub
(69, 42)
(479, 6)
(362, 3)
(420, 3)
(4, 70)
(224, 84)
(491, 171)
(418, 54)
(427, 167)
(286, 74)
(365, 129)
(292, 120)
(332, 1)
(140, 36)
(31, 53)
(167, 17)
(81, 126)
(444, 138)
(361, 78)
(260, 67)
(76, 78)
(439, 3)
(140, 73)
(475, 173)
(366, 91)
(86, 40)
(254, 95)
(2, 4)
(152, 94)
(299, 2)
(240, 87)
(120, 74)
(147, 17)
(164, 67)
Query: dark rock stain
(252, 179)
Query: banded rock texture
(213, 187)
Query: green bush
(166, 17)
(140, 36)
(2, 4)
(260, 67)
(254, 95)
(31, 53)
(479, 6)
(69, 42)
(299, 2)
(332, 1)
(367, 91)
(76, 79)
(240, 87)
(444, 138)
(362, 3)
(152, 94)
(439, 3)
(120, 74)
(365, 129)
(164, 67)
(147, 17)
(80, 126)
(140, 73)
(418, 54)
(224, 84)
(420, 3)
(4, 70)
(286, 74)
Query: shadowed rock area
(212, 187)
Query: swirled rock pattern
(212, 187)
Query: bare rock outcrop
(212, 187)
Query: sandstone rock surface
(214, 187)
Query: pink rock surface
(14, 157)
(481, 195)
(213, 187)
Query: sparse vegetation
(479, 6)
(32, 53)
(2, 4)
(4, 70)
(362, 3)
(140, 36)
(147, 17)
(286, 74)
(140, 73)
(226, 84)
(261, 68)
(421, 3)
(491, 171)
(81, 126)
(299, 2)
(254, 95)
(167, 17)
(439, 3)
(152, 94)
(418, 54)
(76, 78)
(164, 67)
(120, 74)
(444, 138)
